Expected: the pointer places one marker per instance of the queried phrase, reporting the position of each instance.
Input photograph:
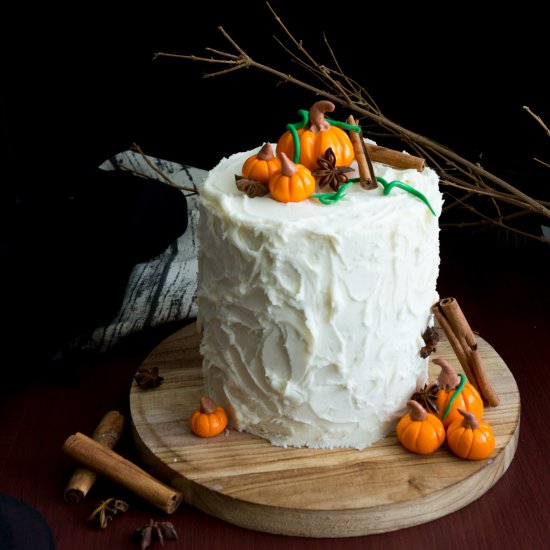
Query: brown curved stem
(288, 168)
(416, 411)
(448, 379)
(266, 152)
(208, 405)
(470, 420)
(317, 121)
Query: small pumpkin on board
(209, 419)
(419, 431)
(261, 166)
(455, 392)
(470, 437)
(317, 137)
(293, 183)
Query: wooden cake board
(246, 481)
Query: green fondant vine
(457, 392)
(332, 198)
(406, 187)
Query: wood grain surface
(308, 492)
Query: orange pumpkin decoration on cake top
(293, 183)
(261, 166)
(317, 137)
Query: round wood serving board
(245, 480)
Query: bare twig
(137, 149)
(538, 119)
(541, 162)
(544, 127)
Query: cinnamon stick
(107, 433)
(106, 462)
(364, 166)
(395, 158)
(455, 344)
(463, 333)
(453, 312)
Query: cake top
(219, 188)
(321, 169)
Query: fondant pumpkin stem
(470, 420)
(417, 411)
(208, 405)
(448, 379)
(317, 121)
(266, 152)
(288, 168)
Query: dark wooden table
(504, 291)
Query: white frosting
(312, 315)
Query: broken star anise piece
(104, 513)
(252, 188)
(427, 397)
(431, 339)
(330, 174)
(148, 378)
(155, 530)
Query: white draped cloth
(164, 288)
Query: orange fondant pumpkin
(293, 183)
(468, 399)
(470, 437)
(262, 166)
(316, 138)
(419, 431)
(208, 420)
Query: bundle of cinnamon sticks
(97, 458)
(463, 341)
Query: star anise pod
(330, 174)
(155, 530)
(252, 188)
(427, 397)
(431, 339)
(148, 378)
(104, 513)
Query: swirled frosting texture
(312, 315)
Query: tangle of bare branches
(463, 180)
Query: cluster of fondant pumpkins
(288, 181)
(457, 418)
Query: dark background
(79, 85)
